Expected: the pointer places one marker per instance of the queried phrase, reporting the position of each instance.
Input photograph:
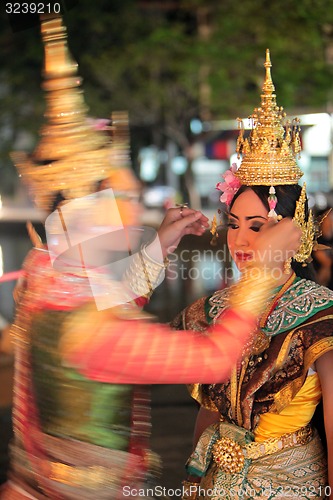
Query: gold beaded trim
(256, 450)
(230, 456)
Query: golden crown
(72, 156)
(269, 153)
(269, 158)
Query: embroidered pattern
(303, 299)
(218, 302)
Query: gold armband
(252, 291)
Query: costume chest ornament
(302, 300)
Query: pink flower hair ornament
(230, 185)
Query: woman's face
(246, 217)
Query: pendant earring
(214, 232)
(287, 266)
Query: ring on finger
(181, 208)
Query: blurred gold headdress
(72, 155)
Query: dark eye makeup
(255, 226)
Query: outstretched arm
(137, 352)
(106, 348)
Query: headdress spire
(269, 153)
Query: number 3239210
(33, 8)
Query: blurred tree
(20, 94)
(167, 62)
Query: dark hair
(57, 200)
(287, 197)
(59, 196)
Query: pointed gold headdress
(269, 159)
(269, 153)
(72, 155)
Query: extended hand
(178, 222)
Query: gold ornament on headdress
(269, 153)
(72, 156)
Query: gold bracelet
(190, 490)
(252, 291)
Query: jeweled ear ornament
(272, 202)
(308, 228)
(287, 266)
(214, 232)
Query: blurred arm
(108, 349)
